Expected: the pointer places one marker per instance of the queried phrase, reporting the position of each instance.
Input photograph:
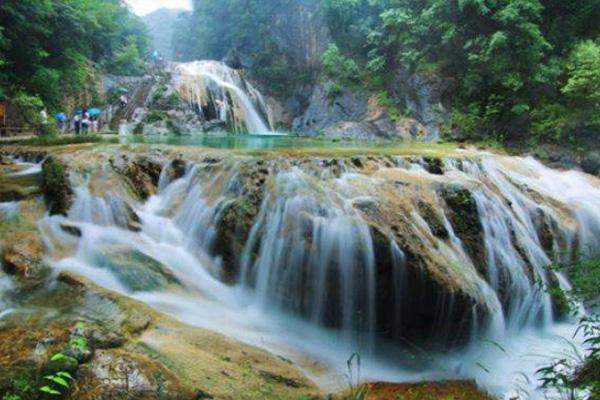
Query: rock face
(422, 96)
(591, 163)
(355, 115)
(326, 109)
(301, 34)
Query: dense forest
(519, 69)
(53, 52)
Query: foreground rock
(23, 257)
(458, 390)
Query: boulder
(120, 373)
(135, 270)
(591, 163)
(23, 256)
(237, 217)
(159, 128)
(351, 130)
(142, 173)
(176, 169)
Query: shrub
(338, 66)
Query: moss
(56, 187)
(384, 100)
(172, 127)
(561, 305)
(434, 165)
(464, 216)
(56, 140)
(155, 116)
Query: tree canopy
(519, 66)
(52, 50)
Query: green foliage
(582, 88)
(519, 66)
(127, 60)
(357, 390)
(57, 140)
(384, 100)
(338, 66)
(584, 276)
(583, 70)
(49, 49)
(29, 106)
(79, 342)
(577, 375)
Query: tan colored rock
(23, 255)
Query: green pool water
(257, 142)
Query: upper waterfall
(218, 92)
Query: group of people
(82, 122)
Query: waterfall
(381, 255)
(221, 93)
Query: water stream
(221, 93)
(327, 244)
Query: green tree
(55, 49)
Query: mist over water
(308, 285)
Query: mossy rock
(56, 186)
(23, 257)
(434, 165)
(135, 270)
(464, 217)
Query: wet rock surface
(412, 215)
(137, 271)
(56, 186)
(142, 173)
(23, 256)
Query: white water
(513, 196)
(9, 209)
(211, 82)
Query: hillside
(161, 25)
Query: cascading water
(221, 93)
(339, 256)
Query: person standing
(85, 123)
(77, 122)
(123, 100)
(43, 129)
